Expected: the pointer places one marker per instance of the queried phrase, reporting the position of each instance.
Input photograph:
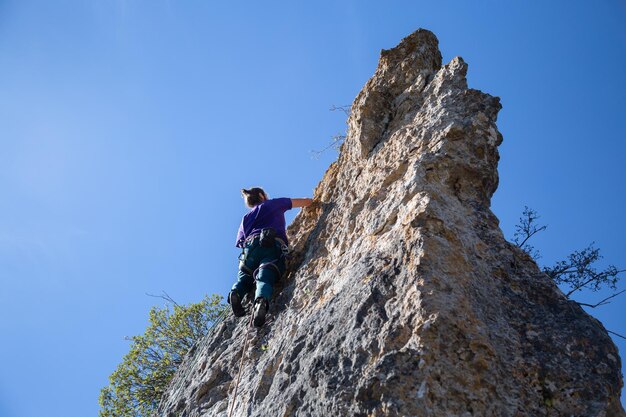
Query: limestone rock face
(403, 297)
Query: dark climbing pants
(257, 260)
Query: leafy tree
(138, 383)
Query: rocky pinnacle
(403, 298)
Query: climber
(263, 240)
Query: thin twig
(336, 140)
(165, 297)
(529, 235)
(601, 302)
(593, 278)
(616, 334)
(345, 109)
(581, 286)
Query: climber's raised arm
(301, 202)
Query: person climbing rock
(263, 239)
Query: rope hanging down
(243, 353)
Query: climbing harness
(270, 234)
(243, 353)
(283, 245)
(266, 237)
(267, 265)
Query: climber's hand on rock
(301, 202)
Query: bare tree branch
(527, 228)
(601, 302)
(616, 334)
(594, 277)
(577, 271)
(336, 140)
(165, 297)
(345, 109)
(335, 143)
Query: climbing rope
(245, 345)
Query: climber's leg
(266, 276)
(261, 305)
(268, 273)
(243, 285)
(245, 281)
(265, 279)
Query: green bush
(138, 383)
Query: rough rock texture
(403, 297)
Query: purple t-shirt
(270, 213)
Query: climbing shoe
(260, 311)
(235, 304)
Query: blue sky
(128, 127)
